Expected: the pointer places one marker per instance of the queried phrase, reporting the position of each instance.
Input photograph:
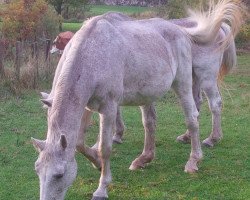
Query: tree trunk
(2, 74)
(18, 60)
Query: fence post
(2, 73)
(47, 57)
(48, 42)
(35, 58)
(18, 60)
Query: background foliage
(27, 20)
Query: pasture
(101, 9)
(223, 174)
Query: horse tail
(229, 59)
(209, 22)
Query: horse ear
(47, 102)
(38, 144)
(44, 95)
(63, 141)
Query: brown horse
(61, 41)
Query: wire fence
(26, 62)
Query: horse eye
(58, 176)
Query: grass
(101, 9)
(73, 27)
(223, 174)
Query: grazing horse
(209, 65)
(206, 62)
(116, 61)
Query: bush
(175, 9)
(243, 38)
(27, 20)
(49, 24)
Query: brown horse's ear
(38, 144)
(63, 141)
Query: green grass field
(224, 173)
(73, 27)
(101, 9)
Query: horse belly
(147, 89)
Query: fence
(34, 55)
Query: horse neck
(65, 118)
(64, 122)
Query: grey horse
(111, 62)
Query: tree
(60, 5)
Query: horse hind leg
(149, 123)
(186, 138)
(184, 91)
(117, 138)
(215, 105)
(90, 153)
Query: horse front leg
(90, 153)
(149, 123)
(107, 126)
(117, 137)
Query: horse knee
(216, 106)
(193, 125)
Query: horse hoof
(191, 166)
(136, 165)
(191, 169)
(99, 198)
(210, 142)
(183, 139)
(117, 140)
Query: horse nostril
(58, 176)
